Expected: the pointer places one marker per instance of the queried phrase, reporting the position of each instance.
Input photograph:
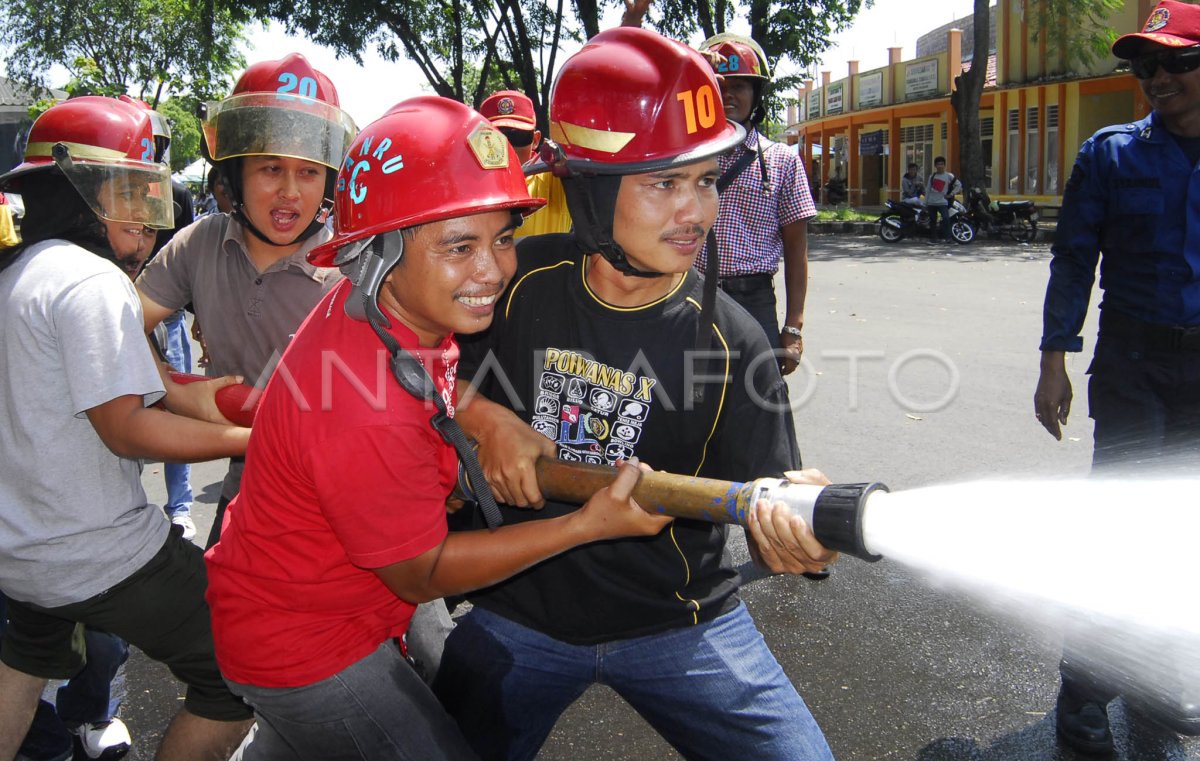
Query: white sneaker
(184, 521)
(106, 740)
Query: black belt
(746, 283)
(1149, 335)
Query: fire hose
(237, 402)
(834, 512)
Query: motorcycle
(911, 217)
(1016, 219)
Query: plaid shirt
(748, 224)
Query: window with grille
(1052, 150)
(1033, 151)
(1012, 167)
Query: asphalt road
(944, 341)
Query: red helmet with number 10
(630, 101)
(633, 101)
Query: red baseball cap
(509, 108)
(1171, 24)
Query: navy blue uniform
(1132, 205)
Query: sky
(889, 23)
(366, 91)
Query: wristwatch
(792, 331)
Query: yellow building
(1035, 112)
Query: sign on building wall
(870, 143)
(870, 90)
(921, 79)
(814, 104)
(833, 101)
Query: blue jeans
(713, 691)
(91, 696)
(377, 709)
(178, 475)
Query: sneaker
(106, 740)
(184, 521)
(1083, 724)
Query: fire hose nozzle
(838, 518)
(834, 512)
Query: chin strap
(410, 373)
(233, 179)
(593, 232)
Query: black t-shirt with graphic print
(606, 383)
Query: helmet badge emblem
(489, 146)
(1157, 20)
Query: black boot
(1082, 723)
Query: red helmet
(160, 126)
(634, 101)
(746, 60)
(105, 147)
(280, 108)
(743, 56)
(426, 159)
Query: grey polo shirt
(247, 317)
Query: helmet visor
(125, 190)
(274, 124)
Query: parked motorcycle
(1016, 219)
(904, 218)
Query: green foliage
(180, 113)
(148, 48)
(40, 107)
(468, 48)
(1077, 28)
(844, 214)
(792, 32)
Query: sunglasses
(1172, 61)
(521, 138)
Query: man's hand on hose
(781, 541)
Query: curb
(1045, 232)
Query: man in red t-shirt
(340, 526)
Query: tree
(967, 94)
(467, 48)
(464, 48)
(180, 113)
(795, 31)
(148, 48)
(1075, 28)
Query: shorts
(160, 609)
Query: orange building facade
(1035, 112)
